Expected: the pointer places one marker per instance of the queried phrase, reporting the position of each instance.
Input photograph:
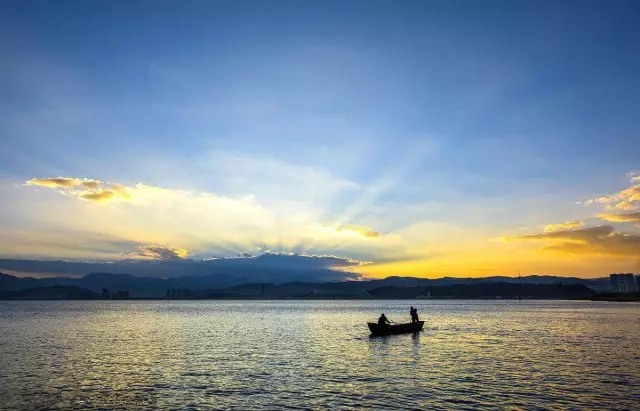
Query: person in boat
(383, 320)
(414, 315)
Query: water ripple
(312, 355)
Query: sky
(414, 138)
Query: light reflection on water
(318, 354)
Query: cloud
(566, 235)
(621, 218)
(205, 223)
(99, 196)
(631, 193)
(625, 205)
(563, 226)
(160, 252)
(54, 182)
(626, 199)
(91, 184)
(84, 188)
(48, 242)
(358, 229)
(350, 230)
(168, 262)
(599, 239)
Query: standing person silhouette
(414, 315)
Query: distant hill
(56, 292)
(151, 278)
(227, 287)
(138, 286)
(376, 290)
(486, 290)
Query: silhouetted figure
(414, 315)
(383, 321)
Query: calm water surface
(313, 354)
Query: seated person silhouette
(383, 321)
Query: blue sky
(441, 126)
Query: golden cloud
(565, 235)
(85, 188)
(91, 184)
(160, 252)
(359, 229)
(54, 182)
(631, 193)
(626, 199)
(207, 223)
(621, 218)
(599, 239)
(99, 196)
(351, 230)
(562, 226)
(625, 205)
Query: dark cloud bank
(271, 267)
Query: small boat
(395, 328)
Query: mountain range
(157, 287)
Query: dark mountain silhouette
(373, 289)
(56, 292)
(137, 286)
(486, 290)
(151, 278)
(227, 286)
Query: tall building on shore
(625, 283)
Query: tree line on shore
(345, 290)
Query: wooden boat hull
(395, 328)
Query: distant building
(625, 283)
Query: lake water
(318, 354)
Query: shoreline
(594, 298)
